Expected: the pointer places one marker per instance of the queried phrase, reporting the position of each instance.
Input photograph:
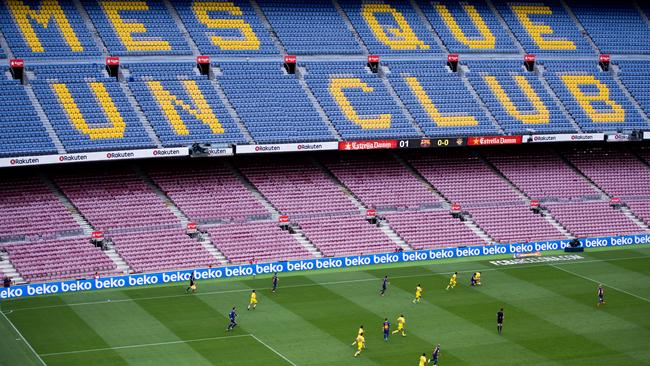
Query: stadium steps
(231, 110)
(159, 192)
(310, 95)
(464, 69)
(634, 218)
(428, 25)
(350, 27)
(504, 25)
(251, 188)
(206, 241)
(301, 238)
(267, 25)
(136, 107)
(582, 29)
(43, 117)
(539, 71)
(119, 261)
(615, 70)
(400, 103)
(392, 235)
(645, 18)
(8, 269)
(472, 225)
(556, 224)
(181, 26)
(5, 46)
(601, 194)
(72, 209)
(91, 26)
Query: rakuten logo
(267, 148)
(24, 161)
(73, 157)
(310, 147)
(544, 138)
(166, 152)
(582, 137)
(122, 155)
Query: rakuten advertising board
(308, 265)
(93, 156)
(564, 137)
(278, 148)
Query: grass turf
(551, 318)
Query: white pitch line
(314, 284)
(24, 340)
(273, 350)
(145, 345)
(599, 282)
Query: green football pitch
(551, 318)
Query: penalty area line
(143, 345)
(599, 282)
(23, 339)
(273, 350)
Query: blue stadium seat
(470, 26)
(271, 103)
(357, 102)
(89, 110)
(517, 98)
(21, 130)
(618, 29)
(544, 27)
(593, 97)
(636, 77)
(438, 99)
(225, 28)
(127, 28)
(45, 28)
(308, 28)
(390, 27)
(182, 106)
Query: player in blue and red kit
(275, 281)
(386, 328)
(434, 355)
(601, 295)
(233, 322)
(384, 286)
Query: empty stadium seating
(438, 100)
(514, 223)
(181, 105)
(381, 182)
(432, 229)
(136, 27)
(256, 241)
(544, 27)
(59, 259)
(593, 97)
(21, 130)
(468, 26)
(225, 28)
(274, 108)
(390, 27)
(113, 199)
(30, 210)
(307, 28)
(356, 101)
(517, 98)
(635, 75)
(621, 18)
(593, 219)
(207, 192)
(46, 28)
(89, 110)
(161, 249)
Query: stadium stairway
(428, 26)
(230, 108)
(8, 269)
(301, 238)
(140, 113)
(43, 117)
(615, 70)
(539, 70)
(469, 223)
(267, 25)
(181, 26)
(582, 29)
(350, 26)
(300, 71)
(479, 100)
(398, 100)
(504, 25)
(90, 25)
(204, 238)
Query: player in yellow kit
(361, 344)
(452, 281)
(253, 302)
(401, 323)
(423, 360)
(418, 294)
(360, 332)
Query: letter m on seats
(50, 11)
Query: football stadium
(325, 182)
